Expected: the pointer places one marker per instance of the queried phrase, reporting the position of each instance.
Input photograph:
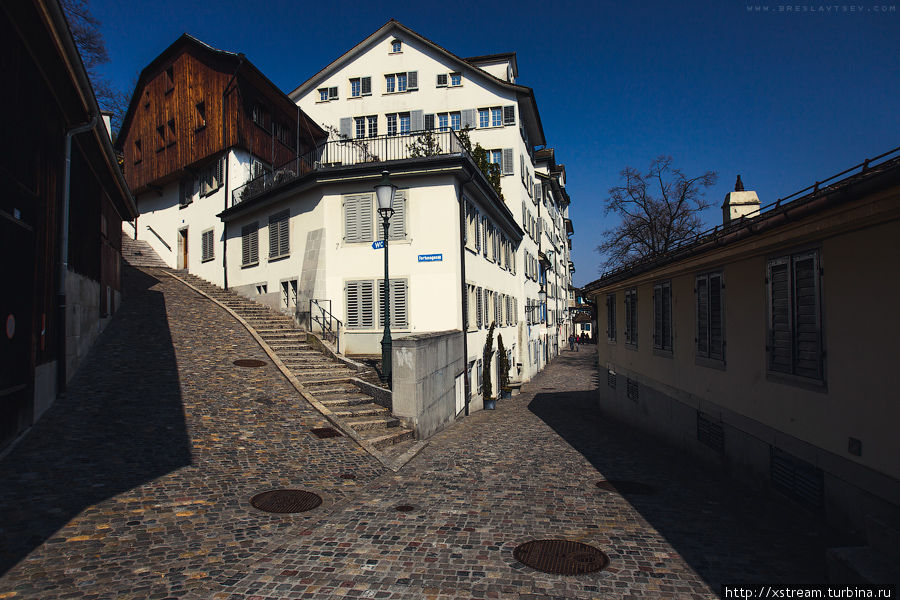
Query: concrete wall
(82, 319)
(425, 367)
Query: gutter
(64, 250)
(463, 289)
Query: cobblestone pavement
(136, 486)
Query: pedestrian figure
(571, 342)
(576, 343)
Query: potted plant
(502, 369)
(486, 389)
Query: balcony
(350, 152)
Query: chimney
(739, 203)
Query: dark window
(171, 134)
(794, 321)
(631, 333)
(138, 152)
(662, 316)
(710, 318)
(201, 115)
(170, 79)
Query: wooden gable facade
(193, 102)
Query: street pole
(386, 343)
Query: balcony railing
(350, 152)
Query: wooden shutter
(509, 115)
(397, 230)
(358, 218)
(477, 232)
(716, 318)
(412, 80)
(284, 238)
(366, 84)
(780, 351)
(360, 305)
(611, 316)
(399, 303)
(657, 316)
(250, 244)
(220, 178)
(416, 120)
(468, 117)
(278, 234)
(507, 161)
(478, 307)
(346, 127)
(667, 316)
(702, 292)
(807, 333)
(537, 190)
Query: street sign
(377, 244)
(431, 257)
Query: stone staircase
(138, 253)
(326, 379)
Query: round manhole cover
(404, 508)
(250, 362)
(562, 557)
(625, 487)
(286, 501)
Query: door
(183, 249)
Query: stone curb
(334, 420)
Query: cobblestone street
(136, 485)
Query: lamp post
(384, 193)
(542, 298)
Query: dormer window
(455, 79)
(396, 46)
(328, 93)
(138, 151)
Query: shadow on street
(121, 424)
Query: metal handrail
(353, 151)
(159, 237)
(329, 325)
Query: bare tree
(89, 41)
(658, 210)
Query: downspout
(225, 93)
(463, 288)
(64, 253)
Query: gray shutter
(537, 190)
(478, 307)
(667, 316)
(468, 117)
(657, 316)
(780, 351)
(284, 240)
(509, 115)
(220, 179)
(429, 122)
(254, 243)
(358, 218)
(507, 160)
(354, 307)
(477, 232)
(366, 84)
(412, 80)
(716, 318)
(399, 303)
(807, 334)
(397, 230)
(702, 316)
(346, 127)
(273, 236)
(522, 166)
(416, 120)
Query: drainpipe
(64, 253)
(462, 276)
(225, 94)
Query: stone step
(380, 439)
(353, 400)
(369, 424)
(360, 410)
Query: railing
(349, 152)
(329, 325)
(159, 237)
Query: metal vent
(632, 388)
(710, 432)
(611, 379)
(797, 479)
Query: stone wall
(425, 368)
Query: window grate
(631, 388)
(611, 379)
(797, 479)
(710, 432)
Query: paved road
(136, 486)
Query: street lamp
(542, 298)
(384, 193)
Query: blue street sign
(431, 257)
(377, 244)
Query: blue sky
(784, 96)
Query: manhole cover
(404, 508)
(625, 487)
(249, 362)
(562, 557)
(325, 432)
(286, 501)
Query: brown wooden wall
(170, 102)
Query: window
(441, 80)
(250, 244)
(328, 93)
(611, 317)
(495, 157)
(360, 304)
(358, 218)
(390, 82)
(258, 167)
(794, 333)
(201, 114)
(455, 121)
(496, 117)
(138, 151)
(186, 192)
(211, 177)
(323, 94)
(392, 124)
(483, 117)
(404, 123)
(509, 115)
(631, 332)
(471, 308)
(397, 227)
(207, 245)
(260, 115)
(399, 304)
(360, 126)
(289, 293)
(401, 82)
(279, 234)
(455, 79)
(396, 46)
(710, 338)
(443, 121)
(662, 316)
(373, 125)
(355, 88)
